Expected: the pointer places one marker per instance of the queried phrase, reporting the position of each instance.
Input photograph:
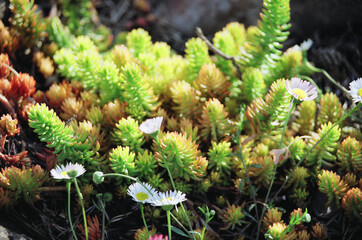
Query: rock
(6, 234)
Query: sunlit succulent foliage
(146, 165)
(331, 109)
(61, 137)
(305, 117)
(211, 83)
(127, 133)
(277, 230)
(181, 156)
(220, 157)
(253, 85)
(123, 161)
(268, 116)
(138, 41)
(138, 95)
(262, 48)
(214, 122)
(323, 153)
(197, 54)
(186, 99)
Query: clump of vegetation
(238, 132)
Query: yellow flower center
(141, 196)
(65, 173)
(360, 92)
(168, 198)
(300, 93)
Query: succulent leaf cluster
(21, 184)
(226, 121)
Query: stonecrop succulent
(21, 184)
(232, 216)
(222, 124)
(181, 156)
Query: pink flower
(158, 237)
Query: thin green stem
(245, 168)
(311, 149)
(169, 224)
(82, 205)
(178, 222)
(120, 175)
(144, 220)
(69, 184)
(320, 93)
(129, 177)
(172, 182)
(293, 103)
(103, 219)
(329, 77)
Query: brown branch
(5, 102)
(217, 51)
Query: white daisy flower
(356, 90)
(301, 90)
(68, 171)
(304, 46)
(169, 198)
(151, 125)
(142, 193)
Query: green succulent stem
(311, 149)
(293, 104)
(144, 220)
(69, 184)
(82, 205)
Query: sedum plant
(56, 134)
(181, 156)
(239, 126)
(19, 184)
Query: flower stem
(82, 205)
(144, 220)
(311, 149)
(246, 169)
(169, 224)
(173, 184)
(69, 183)
(315, 69)
(293, 103)
(126, 176)
(178, 222)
